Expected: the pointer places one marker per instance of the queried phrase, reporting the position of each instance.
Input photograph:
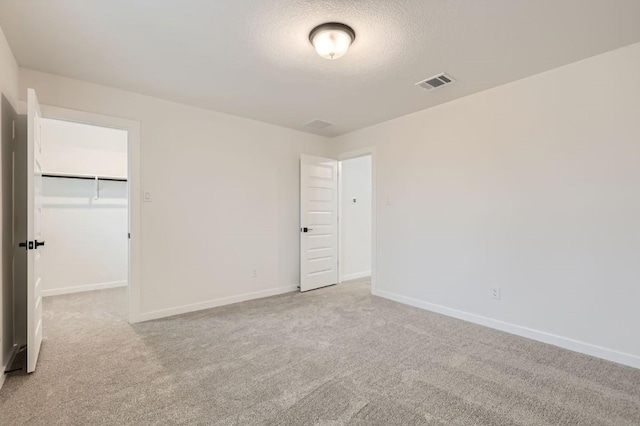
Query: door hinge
(13, 129)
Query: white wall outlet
(387, 200)
(146, 196)
(254, 274)
(495, 293)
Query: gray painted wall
(20, 230)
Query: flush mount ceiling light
(332, 40)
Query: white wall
(225, 196)
(86, 239)
(78, 148)
(8, 87)
(531, 187)
(8, 72)
(355, 218)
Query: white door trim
(370, 150)
(133, 182)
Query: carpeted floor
(336, 356)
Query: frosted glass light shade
(332, 40)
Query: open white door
(34, 237)
(319, 222)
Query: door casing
(134, 190)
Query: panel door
(319, 222)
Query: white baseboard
(81, 288)
(357, 275)
(178, 310)
(541, 336)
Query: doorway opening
(134, 191)
(69, 177)
(355, 218)
(85, 208)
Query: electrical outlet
(495, 293)
(255, 273)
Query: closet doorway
(133, 200)
(73, 182)
(84, 207)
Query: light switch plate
(146, 197)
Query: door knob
(307, 229)
(28, 245)
(39, 243)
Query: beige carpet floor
(336, 356)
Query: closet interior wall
(85, 216)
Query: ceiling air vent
(436, 81)
(317, 125)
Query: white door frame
(134, 189)
(370, 150)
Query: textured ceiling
(253, 58)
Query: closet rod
(86, 177)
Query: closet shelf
(81, 176)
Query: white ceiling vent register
(317, 125)
(436, 81)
